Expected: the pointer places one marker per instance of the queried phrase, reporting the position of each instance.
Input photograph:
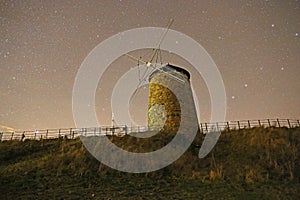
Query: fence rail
(205, 128)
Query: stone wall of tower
(162, 90)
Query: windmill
(164, 109)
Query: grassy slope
(247, 164)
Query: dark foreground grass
(141, 187)
(260, 163)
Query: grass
(245, 164)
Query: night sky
(255, 44)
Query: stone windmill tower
(171, 104)
(165, 109)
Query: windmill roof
(170, 67)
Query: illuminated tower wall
(164, 108)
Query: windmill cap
(168, 68)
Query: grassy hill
(245, 164)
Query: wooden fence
(205, 128)
(242, 124)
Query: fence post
(47, 133)
(238, 122)
(70, 133)
(206, 127)
(34, 134)
(269, 122)
(289, 123)
(1, 136)
(278, 123)
(126, 130)
(298, 122)
(12, 135)
(201, 127)
(259, 123)
(249, 124)
(23, 136)
(58, 133)
(228, 126)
